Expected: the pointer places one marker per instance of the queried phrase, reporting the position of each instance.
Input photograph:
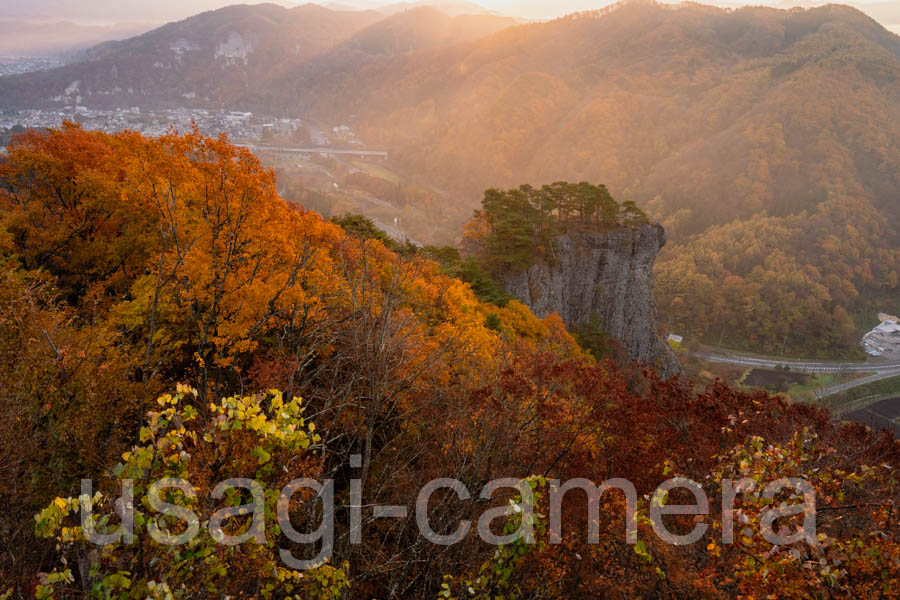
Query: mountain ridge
(226, 57)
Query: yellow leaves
(48, 523)
(280, 421)
(185, 389)
(518, 319)
(257, 423)
(170, 400)
(261, 455)
(69, 534)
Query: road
(799, 366)
(394, 232)
(841, 387)
(881, 370)
(316, 150)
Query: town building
(884, 339)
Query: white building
(884, 340)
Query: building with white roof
(884, 340)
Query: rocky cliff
(607, 274)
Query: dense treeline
(804, 284)
(164, 313)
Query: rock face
(607, 274)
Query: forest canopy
(164, 313)
(516, 226)
(802, 285)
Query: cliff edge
(608, 274)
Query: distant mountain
(242, 56)
(106, 11)
(448, 7)
(719, 113)
(212, 59)
(404, 37)
(445, 6)
(885, 12)
(420, 28)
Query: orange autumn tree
(231, 261)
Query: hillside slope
(423, 27)
(291, 348)
(718, 112)
(783, 125)
(212, 59)
(241, 55)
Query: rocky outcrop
(608, 274)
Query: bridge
(324, 150)
(879, 370)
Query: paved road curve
(881, 369)
(841, 387)
(800, 366)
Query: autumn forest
(468, 307)
(279, 345)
